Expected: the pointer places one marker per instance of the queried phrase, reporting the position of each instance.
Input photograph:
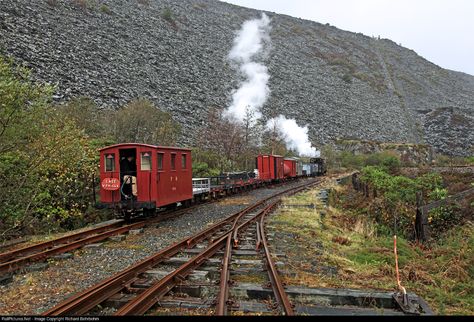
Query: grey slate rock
(340, 83)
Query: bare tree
(273, 140)
(223, 139)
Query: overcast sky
(441, 31)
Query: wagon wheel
(127, 216)
(149, 212)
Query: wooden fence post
(421, 221)
(354, 181)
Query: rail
(71, 243)
(14, 260)
(275, 279)
(86, 300)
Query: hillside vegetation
(48, 153)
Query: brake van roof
(131, 145)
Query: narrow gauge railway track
(14, 260)
(257, 240)
(208, 242)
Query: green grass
(443, 274)
(380, 251)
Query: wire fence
(422, 226)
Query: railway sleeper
(259, 307)
(63, 256)
(6, 278)
(184, 303)
(196, 275)
(117, 300)
(245, 262)
(253, 262)
(178, 261)
(214, 272)
(117, 238)
(36, 267)
(344, 299)
(197, 303)
(235, 252)
(93, 246)
(201, 290)
(249, 306)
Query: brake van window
(145, 161)
(110, 162)
(160, 160)
(173, 161)
(183, 161)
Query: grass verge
(327, 247)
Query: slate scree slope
(175, 53)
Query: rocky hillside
(342, 84)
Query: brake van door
(144, 175)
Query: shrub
(202, 170)
(347, 78)
(346, 159)
(167, 14)
(443, 218)
(350, 160)
(85, 4)
(140, 121)
(105, 9)
(392, 163)
(448, 161)
(52, 3)
(398, 194)
(46, 162)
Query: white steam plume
(253, 40)
(254, 90)
(296, 137)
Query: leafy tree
(65, 165)
(330, 155)
(206, 161)
(85, 113)
(46, 161)
(21, 101)
(141, 122)
(202, 170)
